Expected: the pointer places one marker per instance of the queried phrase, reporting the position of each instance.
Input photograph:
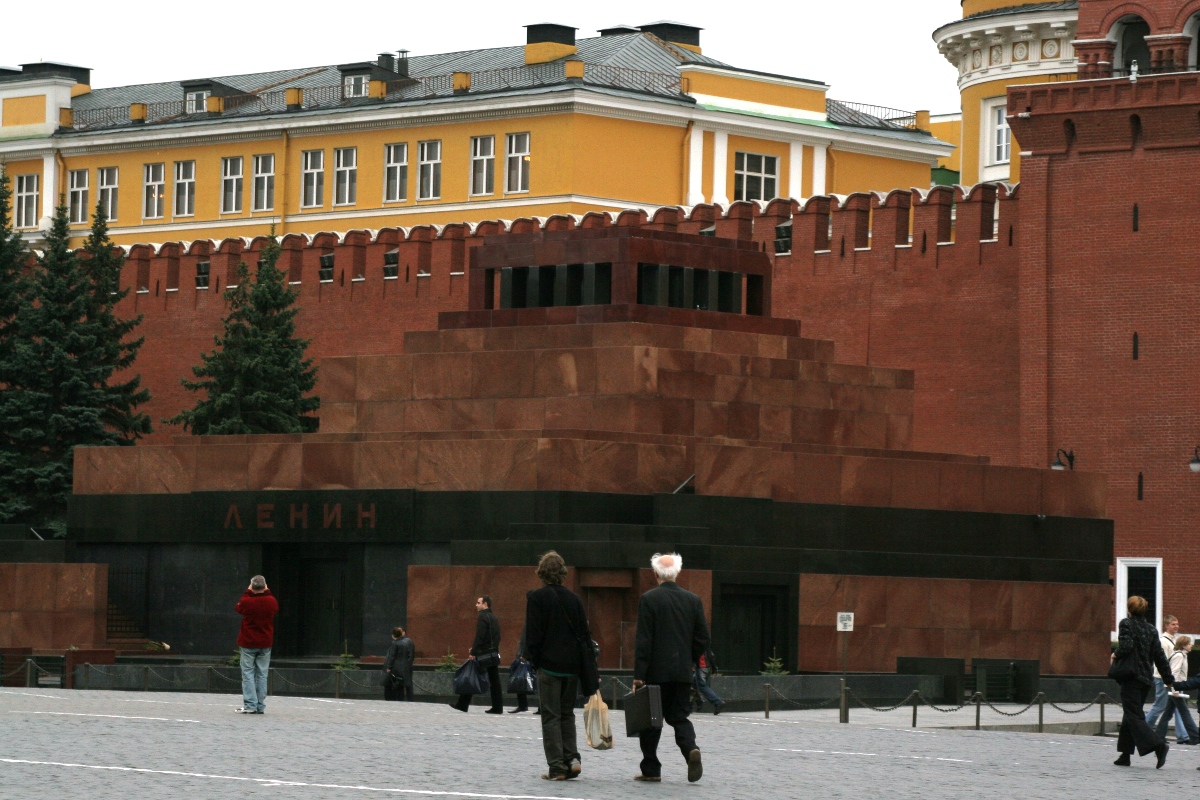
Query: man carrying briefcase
(672, 634)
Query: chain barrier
(279, 676)
(830, 703)
(905, 702)
(1102, 697)
(18, 671)
(950, 710)
(1010, 713)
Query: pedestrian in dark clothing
(258, 608)
(555, 623)
(705, 692)
(523, 657)
(398, 667)
(1138, 637)
(1185, 727)
(672, 635)
(486, 650)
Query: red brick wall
(53, 606)
(1066, 626)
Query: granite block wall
(53, 606)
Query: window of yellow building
(518, 163)
(108, 178)
(77, 194)
(356, 85)
(429, 170)
(264, 183)
(483, 165)
(312, 179)
(185, 188)
(345, 176)
(197, 102)
(395, 173)
(755, 176)
(231, 185)
(27, 201)
(154, 178)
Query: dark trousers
(493, 671)
(523, 701)
(1182, 714)
(1134, 731)
(556, 701)
(676, 705)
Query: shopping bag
(595, 722)
(521, 679)
(471, 678)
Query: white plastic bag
(595, 723)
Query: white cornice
(999, 22)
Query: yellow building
(632, 118)
(997, 44)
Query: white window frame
(356, 85)
(429, 169)
(77, 193)
(483, 165)
(185, 188)
(1123, 565)
(154, 195)
(108, 179)
(990, 169)
(25, 200)
(264, 183)
(232, 171)
(1001, 135)
(345, 176)
(312, 179)
(742, 174)
(517, 147)
(395, 173)
(197, 102)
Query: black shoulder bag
(589, 669)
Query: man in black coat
(486, 650)
(672, 634)
(555, 623)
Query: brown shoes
(695, 768)
(555, 776)
(647, 778)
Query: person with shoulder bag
(1138, 652)
(558, 640)
(485, 651)
(398, 667)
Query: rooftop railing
(864, 115)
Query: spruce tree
(55, 396)
(103, 269)
(13, 291)
(257, 378)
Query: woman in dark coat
(1138, 645)
(398, 667)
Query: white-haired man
(672, 634)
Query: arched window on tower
(1130, 35)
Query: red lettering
(232, 516)
(264, 515)
(333, 515)
(301, 515)
(362, 515)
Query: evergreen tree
(55, 396)
(257, 377)
(13, 290)
(103, 269)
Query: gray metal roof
(1066, 5)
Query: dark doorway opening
(1143, 581)
(752, 628)
(323, 621)
(320, 593)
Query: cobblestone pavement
(105, 745)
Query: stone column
(695, 189)
(720, 169)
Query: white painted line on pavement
(279, 782)
(108, 716)
(31, 694)
(841, 753)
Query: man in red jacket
(258, 608)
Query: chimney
(547, 41)
(402, 63)
(387, 61)
(682, 34)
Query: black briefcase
(643, 710)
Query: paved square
(160, 745)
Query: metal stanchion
(977, 698)
(337, 683)
(844, 710)
(1041, 701)
(1103, 698)
(30, 674)
(914, 696)
(767, 700)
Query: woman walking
(398, 667)
(1138, 650)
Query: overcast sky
(869, 51)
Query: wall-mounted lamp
(1194, 464)
(1058, 460)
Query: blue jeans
(700, 680)
(255, 662)
(1161, 701)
